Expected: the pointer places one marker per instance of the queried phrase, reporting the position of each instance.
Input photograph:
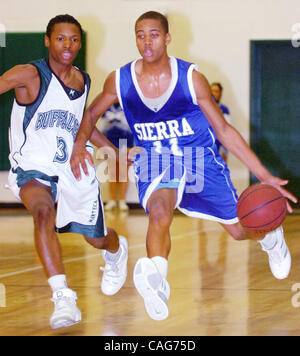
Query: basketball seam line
(270, 222)
(242, 198)
(261, 206)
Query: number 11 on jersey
(175, 149)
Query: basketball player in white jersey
(169, 107)
(50, 96)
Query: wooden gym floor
(218, 286)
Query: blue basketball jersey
(179, 144)
(174, 120)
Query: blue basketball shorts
(200, 176)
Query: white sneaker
(153, 288)
(123, 205)
(115, 273)
(279, 255)
(66, 312)
(110, 205)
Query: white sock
(269, 241)
(58, 282)
(112, 257)
(161, 264)
(111, 201)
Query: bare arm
(87, 128)
(24, 79)
(231, 138)
(98, 107)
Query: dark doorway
(275, 109)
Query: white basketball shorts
(79, 205)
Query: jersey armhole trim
(190, 82)
(118, 87)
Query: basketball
(261, 207)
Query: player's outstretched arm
(98, 107)
(18, 77)
(232, 139)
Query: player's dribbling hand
(80, 157)
(278, 183)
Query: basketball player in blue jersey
(50, 97)
(169, 107)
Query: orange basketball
(261, 207)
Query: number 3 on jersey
(61, 155)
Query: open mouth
(67, 55)
(148, 52)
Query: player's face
(216, 92)
(151, 39)
(64, 43)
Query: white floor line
(70, 260)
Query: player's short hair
(62, 19)
(153, 15)
(218, 85)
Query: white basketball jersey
(42, 134)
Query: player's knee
(238, 234)
(237, 231)
(43, 215)
(160, 213)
